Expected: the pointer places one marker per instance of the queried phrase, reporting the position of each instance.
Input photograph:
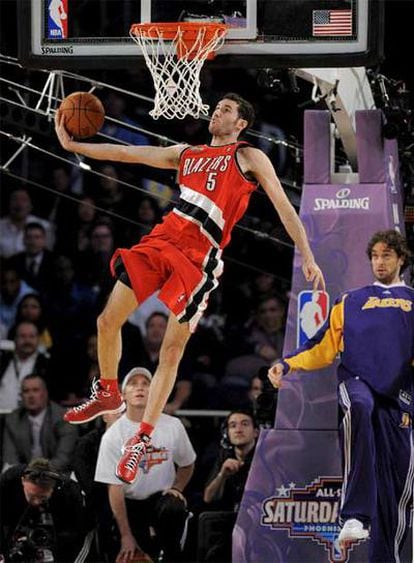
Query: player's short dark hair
(245, 108)
(393, 239)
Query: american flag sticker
(331, 22)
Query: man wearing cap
(157, 499)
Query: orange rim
(169, 29)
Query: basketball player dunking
(181, 256)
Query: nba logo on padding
(313, 309)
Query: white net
(175, 61)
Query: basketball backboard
(68, 34)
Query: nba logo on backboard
(313, 309)
(57, 20)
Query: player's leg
(119, 306)
(105, 394)
(172, 349)
(395, 476)
(359, 491)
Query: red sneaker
(101, 402)
(132, 453)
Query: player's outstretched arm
(257, 163)
(158, 157)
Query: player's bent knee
(362, 405)
(107, 322)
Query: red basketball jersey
(182, 255)
(214, 191)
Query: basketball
(84, 114)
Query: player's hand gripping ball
(84, 114)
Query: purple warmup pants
(378, 467)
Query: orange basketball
(84, 114)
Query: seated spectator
(109, 193)
(115, 106)
(250, 291)
(86, 371)
(12, 225)
(92, 264)
(147, 215)
(31, 309)
(40, 504)
(261, 340)
(35, 264)
(71, 308)
(156, 497)
(25, 359)
(57, 205)
(225, 486)
(84, 461)
(142, 313)
(37, 429)
(73, 236)
(255, 389)
(147, 355)
(70, 305)
(12, 290)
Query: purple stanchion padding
(393, 179)
(370, 146)
(317, 137)
(291, 500)
(288, 511)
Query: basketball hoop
(175, 54)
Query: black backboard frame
(372, 55)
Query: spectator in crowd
(58, 207)
(115, 107)
(25, 359)
(92, 264)
(87, 370)
(31, 309)
(148, 354)
(251, 290)
(37, 429)
(45, 516)
(255, 389)
(71, 306)
(148, 214)
(109, 194)
(74, 235)
(142, 313)
(261, 341)
(225, 486)
(84, 461)
(35, 263)
(157, 499)
(12, 290)
(12, 225)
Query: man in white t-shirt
(156, 499)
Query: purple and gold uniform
(372, 329)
